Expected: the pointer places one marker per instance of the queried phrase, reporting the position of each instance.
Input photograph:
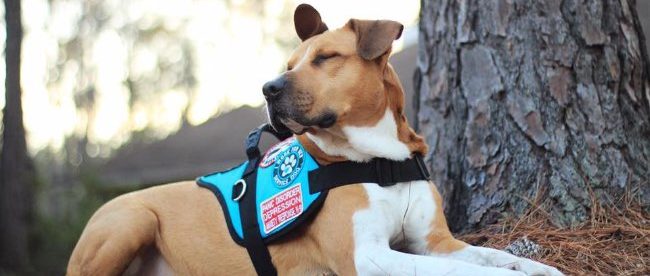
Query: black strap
(257, 250)
(382, 171)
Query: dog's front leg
(496, 258)
(376, 259)
(381, 222)
(434, 239)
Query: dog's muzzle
(282, 112)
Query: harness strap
(382, 171)
(257, 250)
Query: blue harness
(267, 196)
(282, 195)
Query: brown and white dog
(343, 100)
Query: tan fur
(185, 224)
(440, 239)
(405, 133)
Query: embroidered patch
(288, 164)
(269, 157)
(281, 208)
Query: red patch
(269, 156)
(281, 208)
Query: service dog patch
(288, 164)
(281, 208)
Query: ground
(616, 241)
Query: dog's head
(340, 80)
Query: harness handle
(253, 153)
(254, 137)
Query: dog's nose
(273, 88)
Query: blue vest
(283, 199)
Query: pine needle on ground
(616, 241)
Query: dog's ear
(307, 21)
(374, 37)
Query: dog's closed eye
(320, 58)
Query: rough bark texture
(16, 170)
(522, 99)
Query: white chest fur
(400, 215)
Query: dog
(343, 101)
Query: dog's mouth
(299, 124)
(294, 126)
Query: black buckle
(386, 172)
(252, 142)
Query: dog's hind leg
(113, 237)
(149, 262)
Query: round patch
(269, 157)
(288, 165)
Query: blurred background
(120, 95)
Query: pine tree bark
(16, 171)
(527, 99)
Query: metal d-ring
(243, 189)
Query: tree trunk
(16, 167)
(523, 100)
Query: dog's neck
(357, 143)
(389, 137)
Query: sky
(233, 61)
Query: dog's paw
(508, 272)
(477, 270)
(533, 268)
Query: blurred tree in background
(16, 168)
